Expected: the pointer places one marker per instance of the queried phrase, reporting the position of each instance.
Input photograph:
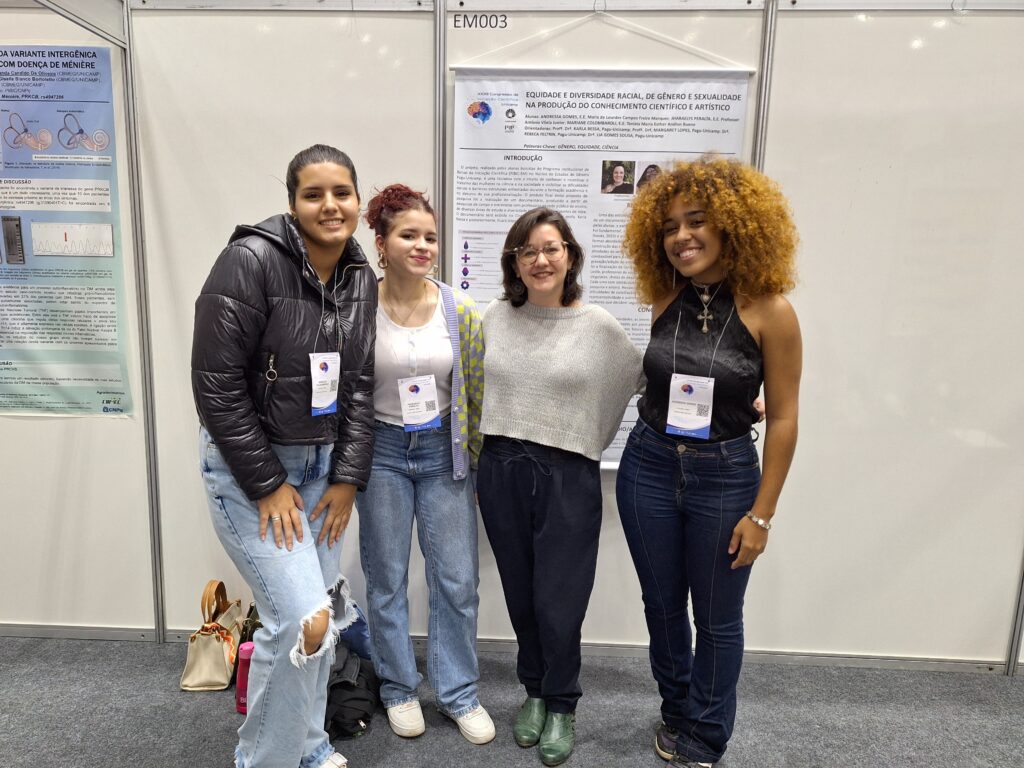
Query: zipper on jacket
(337, 318)
(271, 376)
(348, 267)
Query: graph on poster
(57, 239)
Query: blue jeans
(287, 695)
(679, 504)
(411, 480)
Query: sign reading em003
(479, 21)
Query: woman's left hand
(337, 502)
(747, 543)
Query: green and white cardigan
(467, 336)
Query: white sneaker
(476, 725)
(407, 719)
(335, 760)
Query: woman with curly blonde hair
(712, 243)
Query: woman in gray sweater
(558, 374)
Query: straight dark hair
(318, 153)
(519, 235)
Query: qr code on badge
(430, 405)
(703, 409)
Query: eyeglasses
(553, 252)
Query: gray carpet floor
(100, 704)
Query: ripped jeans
(287, 695)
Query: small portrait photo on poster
(617, 177)
(650, 173)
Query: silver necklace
(705, 298)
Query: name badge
(325, 370)
(689, 406)
(418, 396)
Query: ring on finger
(275, 518)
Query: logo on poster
(480, 111)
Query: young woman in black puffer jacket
(282, 373)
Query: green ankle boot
(530, 722)
(557, 740)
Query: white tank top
(403, 352)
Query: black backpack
(353, 695)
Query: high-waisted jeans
(284, 726)
(541, 507)
(411, 480)
(679, 504)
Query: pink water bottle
(242, 682)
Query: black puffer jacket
(260, 313)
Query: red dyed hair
(391, 201)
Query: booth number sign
(479, 21)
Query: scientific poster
(62, 303)
(581, 144)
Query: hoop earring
(434, 270)
(382, 260)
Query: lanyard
(714, 354)
(323, 311)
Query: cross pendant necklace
(705, 316)
(705, 299)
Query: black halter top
(737, 368)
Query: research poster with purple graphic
(581, 144)
(62, 303)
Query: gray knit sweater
(560, 377)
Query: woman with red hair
(428, 388)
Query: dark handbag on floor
(353, 695)
(250, 625)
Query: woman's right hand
(283, 510)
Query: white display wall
(903, 523)
(75, 505)
(901, 529)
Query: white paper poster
(581, 144)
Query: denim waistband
(446, 422)
(646, 432)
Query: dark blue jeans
(679, 504)
(541, 507)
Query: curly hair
(759, 238)
(391, 201)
